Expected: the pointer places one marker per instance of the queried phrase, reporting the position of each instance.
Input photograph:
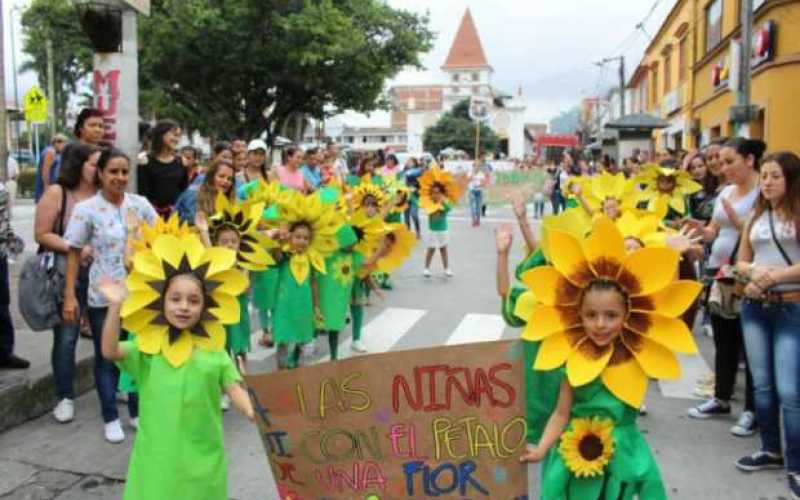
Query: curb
(33, 394)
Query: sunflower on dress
(605, 370)
(180, 370)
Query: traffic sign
(479, 108)
(34, 104)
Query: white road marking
(692, 368)
(384, 331)
(477, 328)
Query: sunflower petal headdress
(402, 242)
(587, 447)
(652, 331)
(606, 186)
(324, 221)
(365, 190)
(369, 232)
(153, 268)
(436, 176)
(244, 218)
(675, 198)
(148, 233)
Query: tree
(456, 129)
(72, 54)
(567, 122)
(250, 66)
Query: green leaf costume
(294, 307)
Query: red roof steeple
(466, 51)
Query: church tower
(466, 69)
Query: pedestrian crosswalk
(384, 332)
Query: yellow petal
(316, 261)
(216, 337)
(524, 306)
(178, 352)
(656, 360)
(194, 248)
(678, 203)
(547, 320)
(168, 248)
(587, 361)
(139, 320)
(627, 381)
(221, 259)
(553, 352)
(300, 267)
(138, 300)
(672, 301)
(148, 264)
(227, 310)
(550, 287)
(604, 248)
(669, 332)
(649, 270)
(152, 339)
(568, 258)
(233, 282)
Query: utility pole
(14, 75)
(51, 87)
(743, 112)
(621, 71)
(3, 116)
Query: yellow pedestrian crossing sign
(34, 104)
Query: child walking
(438, 235)
(180, 300)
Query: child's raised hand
(113, 290)
(532, 454)
(503, 237)
(518, 203)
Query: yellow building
(688, 73)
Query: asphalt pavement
(42, 459)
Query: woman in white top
(770, 260)
(477, 181)
(739, 160)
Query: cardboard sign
(446, 422)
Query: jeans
(772, 335)
(6, 325)
(412, 215)
(559, 202)
(729, 347)
(538, 208)
(65, 338)
(106, 374)
(475, 204)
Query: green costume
(179, 450)
(237, 338)
(632, 471)
(336, 285)
(541, 388)
(394, 217)
(294, 308)
(437, 221)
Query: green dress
(336, 287)
(179, 451)
(294, 308)
(265, 288)
(541, 388)
(237, 338)
(632, 471)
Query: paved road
(45, 460)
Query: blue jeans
(65, 338)
(772, 340)
(106, 374)
(475, 204)
(559, 202)
(412, 215)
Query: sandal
(266, 339)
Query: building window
(455, 77)
(667, 73)
(364, 139)
(383, 138)
(455, 90)
(655, 85)
(682, 56)
(475, 77)
(713, 24)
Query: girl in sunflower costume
(438, 193)
(308, 236)
(665, 190)
(608, 320)
(182, 294)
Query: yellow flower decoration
(266, 192)
(402, 242)
(148, 233)
(604, 186)
(574, 221)
(435, 176)
(324, 221)
(666, 188)
(396, 187)
(588, 446)
(644, 228)
(369, 231)
(342, 270)
(153, 268)
(365, 190)
(652, 329)
(244, 218)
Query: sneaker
(448, 273)
(794, 485)
(704, 388)
(13, 362)
(426, 272)
(358, 346)
(760, 460)
(745, 426)
(643, 410)
(64, 411)
(225, 402)
(711, 408)
(134, 423)
(113, 432)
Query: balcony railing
(672, 102)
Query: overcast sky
(548, 47)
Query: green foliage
(218, 65)
(456, 130)
(72, 55)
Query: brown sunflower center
(345, 269)
(591, 447)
